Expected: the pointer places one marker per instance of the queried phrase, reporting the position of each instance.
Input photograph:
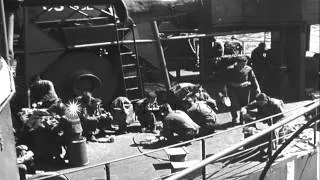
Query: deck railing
(312, 107)
(294, 113)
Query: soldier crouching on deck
(92, 116)
(145, 110)
(202, 114)
(266, 106)
(177, 122)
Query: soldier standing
(241, 80)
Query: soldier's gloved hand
(243, 111)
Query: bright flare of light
(73, 108)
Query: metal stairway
(130, 63)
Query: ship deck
(157, 165)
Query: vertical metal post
(29, 98)
(316, 146)
(10, 36)
(107, 166)
(315, 131)
(318, 160)
(203, 43)
(270, 146)
(27, 43)
(161, 55)
(4, 49)
(203, 151)
(270, 140)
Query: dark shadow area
(105, 133)
(242, 155)
(157, 144)
(154, 145)
(52, 166)
(134, 129)
(161, 166)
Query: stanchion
(107, 167)
(203, 146)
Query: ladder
(130, 63)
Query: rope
(147, 155)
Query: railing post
(315, 130)
(270, 148)
(107, 166)
(203, 148)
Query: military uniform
(91, 117)
(271, 107)
(43, 92)
(180, 123)
(240, 96)
(258, 62)
(204, 116)
(123, 112)
(217, 49)
(146, 117)
(240, 82)
(267, 106)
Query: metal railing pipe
(171, 146)
(283, 146)
(244, 142)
